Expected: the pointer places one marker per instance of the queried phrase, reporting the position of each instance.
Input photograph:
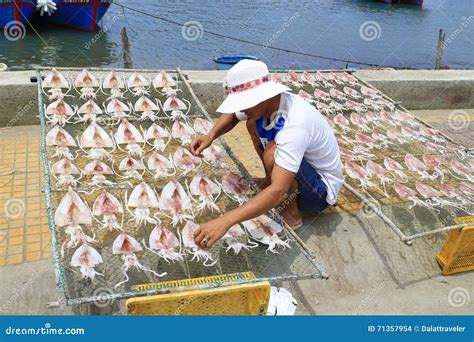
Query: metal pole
(439, 53)
(127, 56)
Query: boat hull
(78, 14)
(410, 2)
(16, 11)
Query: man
(296, 144)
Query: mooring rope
(177, 23)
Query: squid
(98, 170)
(165, 244)
(62, 140)
(202, 126)
(233, 237)
(96, 139)
(55, 82)
(158, 135)
(182, 132)
(118, 110)
(127, 246)
(114, 83)
(86, 258)
(142, 199)
(266, 230)
(132, 168)
(207, 192)
(192, 248)
(214, 155)
(107, 206)
(175, 200)
(147, 108)
(86, 82)
(128, 134)
(234, 186)
(72, 212)
(88, 111)
(160, 166)
(59, 112)
(138, 84)
(64, 171)
(163, 80)
(185, 161)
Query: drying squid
(59, 112)
(72, 212)
(107, 206)
(185, 161)
(128, 134)
(376, 170)
(357, 172)
(207, 192)
(396, 167)
(305, 96)
(408, 194)
(86, 82)
(96, 139)
(55, 82)
(337, 94)
(158, 135)
(114, 83)
(342, 122)
(62, 140)
(160, 166)
(462, 171)
(292, 77)
(192, 248)
(88, 111)
(322, 80)
(214, 155)
(145, 106)
(395, 135)
(65, 172)
(127, 246)
(324, 108)
(233, 237)
(431, 195)
(86, 258)
(182, 132)
(98, 170)
(202, 126)
(164, 243)
(365, 139)
(118, 110)
(360, 122)
(308, 78)
(369, 92)
(321, 95)
(174, 103)
(163, 80)
(265, 230)
(410, 134)
(142, 199)
(234, 186)
(435, 135)
(351, 92)
(138, 84)
(416, 165)
(434, 163)
(132, 168)
(175, 200)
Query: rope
(173, 22)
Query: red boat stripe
(94, 15)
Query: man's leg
(288, 208)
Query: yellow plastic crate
(457, 254)
(242, 299)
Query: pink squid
(192, 248)
(185, 161)
(160, 166)
(158, 135)
(86, 258)
(266, 231)
(142, 199)
(182, 132)
(164, 243)
(107, 206)
(175, 200)
(207, 192)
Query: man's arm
(224, 124)
(265, 200)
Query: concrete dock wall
(423, 89)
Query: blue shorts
(312, 191)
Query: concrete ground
(371, 271)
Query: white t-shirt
(302, 132)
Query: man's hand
(199, 144)
(211, 232)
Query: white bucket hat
(247, 84)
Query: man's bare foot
(293, 221)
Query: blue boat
(14, 13)
(77, 14)
(410, 2)
(226, 62)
